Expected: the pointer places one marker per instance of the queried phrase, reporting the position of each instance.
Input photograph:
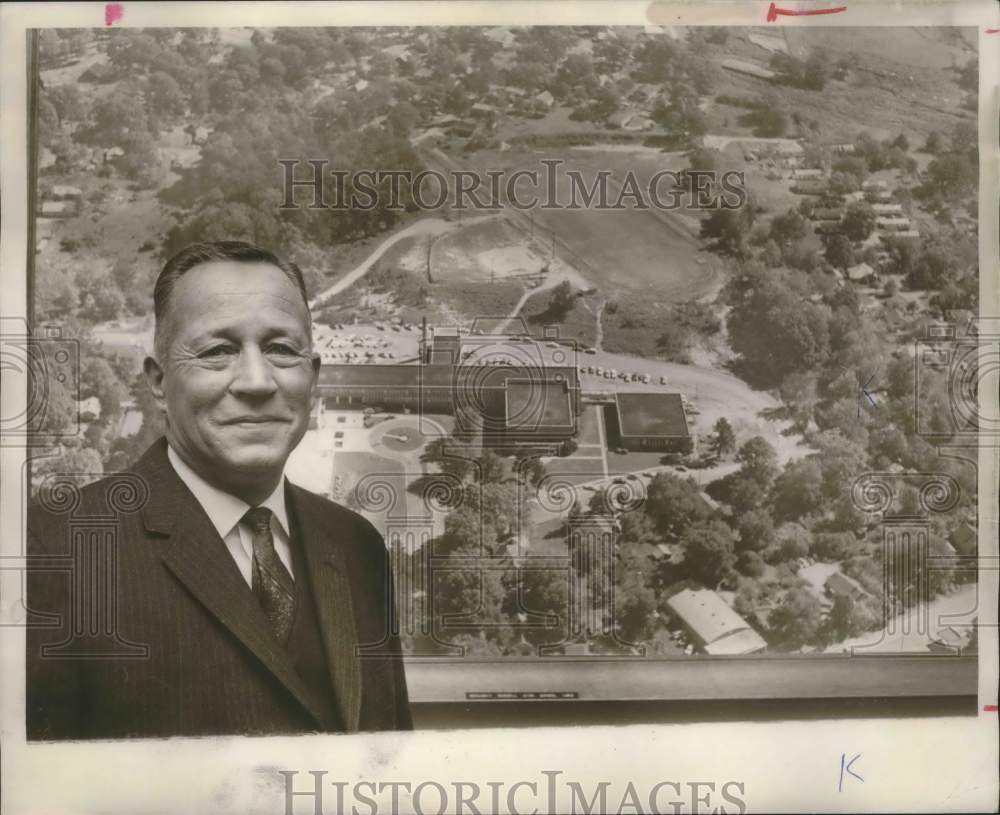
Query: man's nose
(253, 375)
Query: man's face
(236, 374)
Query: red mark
(774, 11)
(990, 708)
(113, 12)
(993, 30)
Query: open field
(623, 248)
(906, 85)
(476, 253)
(580, 324)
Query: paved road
(426, 226)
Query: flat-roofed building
(649, 421)
(499, 404)
(713, 626)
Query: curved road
(425, 226)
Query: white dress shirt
(226, 512)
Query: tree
(453, 456)
(838, 251)
(729, 229)
(674, 342)
(934, 143)
(768, 120)
(858, 222)
(70, 460)
(788, 228)
(846, 619)
(562, 300)
(756, 530)
(794, 542)
(164, 97)
(674, 504)
(750, 564)
(815, 72)
(98, 378)
(100, 298)
(795, 621)
(758, 459)
(724, 439)
(775, 330)
(798, 490)
(636, 601)
(934, 269)
(491, 468)
(534, 470)
(709, 551)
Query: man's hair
(196, 254)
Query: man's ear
(154, 374)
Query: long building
(501, 404)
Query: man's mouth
(253, 420)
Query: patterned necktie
(272, 584)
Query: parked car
(663, 380)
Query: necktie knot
(258, 519)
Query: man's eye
(216, 352)
(281, 349)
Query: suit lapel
(326, 562)
(193, 551)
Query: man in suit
(200, 593)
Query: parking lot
(366, 343)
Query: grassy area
(576, 469)
(622, 464)
(471, 300)
(635, 325)
(471, 254)
(579, 324)
(587, 430)
(614, 249)
(906, 85)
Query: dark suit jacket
(140, 624)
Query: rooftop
(651, 414)
(719, 629)
(539, 406)
(413, 376)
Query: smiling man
(228, 600)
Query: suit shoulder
(337, 515)
(60, 497)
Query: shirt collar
(225, 510)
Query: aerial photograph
(622, 329)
